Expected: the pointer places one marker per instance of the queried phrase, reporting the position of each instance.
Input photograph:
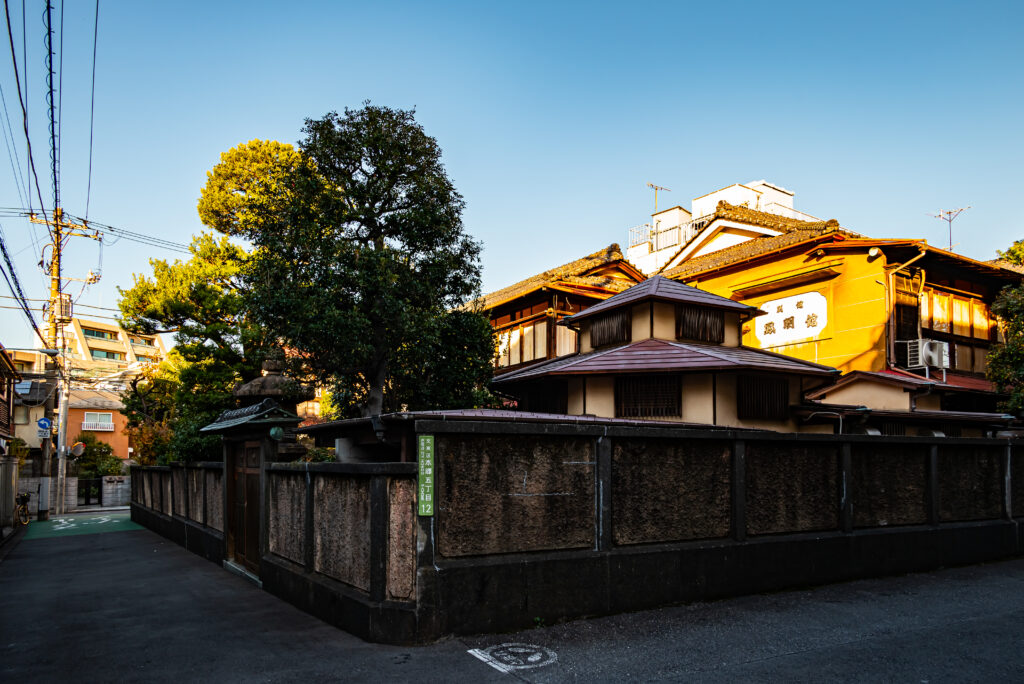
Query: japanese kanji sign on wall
(791, 319)
(425, 495)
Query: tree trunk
(375, 397)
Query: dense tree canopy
(252, 181)
(217, 346)
(1006, 360)
(1014, 254)
(361, 263)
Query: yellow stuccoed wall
(877, 395)
(854, 337)
(700, 393)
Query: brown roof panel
(750, 249)
(654, 355)
(571, 271)
(662, 289)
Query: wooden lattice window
(762, 397)
(700, 323)
(648, 396)
(612, 328)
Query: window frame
(700, 323)
(753, 401)
(631, 392)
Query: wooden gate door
(244, 506)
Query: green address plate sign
(425, 497)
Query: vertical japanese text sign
(426, 475)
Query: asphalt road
(127, 605)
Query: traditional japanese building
(665, 351)
(886, 312)
(8, 377)
(525, 315)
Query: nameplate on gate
(425, 459)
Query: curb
(10, 542)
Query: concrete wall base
(335, 603)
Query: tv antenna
(948, 217)
(656, 188)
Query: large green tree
(217, 346)
(1006, 360)
(361, 262)
(1014, 253)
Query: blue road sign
(44, 423)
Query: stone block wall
(670, 490)
(506, 496)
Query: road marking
(508, 657)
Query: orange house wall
(855, 336)
(117, 439)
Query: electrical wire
(87, 306)
(91, 315)
(11, 276)
(60, 88)
(24, 109)
(52, 104)
(92, 106)
(12, 151)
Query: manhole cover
(508, 657)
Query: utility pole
(948, 217)
(60, 313)
(656, 188)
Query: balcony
(97, 427)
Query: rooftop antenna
(948, 217)
(656, 188)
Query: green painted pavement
(68, 525)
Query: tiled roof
(662, 289)
(653, 355)
(1008, 265)
(344, 426)
(98, 399)
(574, 270)
(740, 214)
(910, 381)
(823, 409)
(754, 247)
(267, 412)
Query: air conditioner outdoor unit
(935, 353)
(914, 352)
(923, 353)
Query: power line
(87, 306)
(92, 106)
(21, 100)
(135, 237)
(15, 286)
(52, 105)
(12, 150)
(60, 88)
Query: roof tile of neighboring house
(1008, 265)
(574, 271)
(95, 399)
(741, 214)
(909, 381)
(662, 289)
(339, 427)
(653, 355)
(754, 247)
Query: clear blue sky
(552, 116)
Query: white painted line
(488, 659)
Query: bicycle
(21, 508)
